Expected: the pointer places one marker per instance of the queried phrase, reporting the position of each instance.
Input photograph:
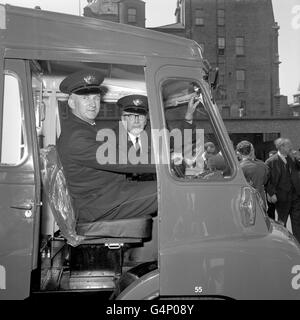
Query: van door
(212, 231)
(19, 186)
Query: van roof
(44, 30)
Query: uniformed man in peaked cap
(134, 117)
(134, 114)
(100, 191)
(84, 88)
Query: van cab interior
(107, 254)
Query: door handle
(26, 206)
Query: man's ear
(71, 101)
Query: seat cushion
(123, 228)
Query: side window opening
(13, 147)
(51, 105)
(52, 110)
(64, 195)
(198, 152)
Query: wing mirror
(211, 74)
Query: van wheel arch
(143, 288)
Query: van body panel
(41, 30)
(195, 216)
(18, 188)
(36, 164)
(70, 55)
(231, 267)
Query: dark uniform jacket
(283, 178)
(92, 185)
(99, 190)
(256, 173)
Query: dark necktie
(137, 146)
(288, 164)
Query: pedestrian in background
(255, 171)
(271, 206)
(283, 186)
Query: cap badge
(137, 102)
(89, 79)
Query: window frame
(214, 127)
(199, 17)
(131, 15)
(239, 81)
(226, 112)
(240, 47)
(220, 17)
(221, 45)
(24, 138)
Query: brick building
(123, 11)
(240, 37)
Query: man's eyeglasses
(132, 117)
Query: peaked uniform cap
(83, 82)
(134, 103)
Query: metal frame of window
(226, 112)
(240, 46)
(221, 17)
(221, 45)
(23, 138)
(199, 17)
(131, 15)
(212, 133)
(240, 79)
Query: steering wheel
(179, 170)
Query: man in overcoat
(283, 187)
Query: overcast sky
(161, 12)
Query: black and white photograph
(149, 151)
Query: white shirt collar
(133, 138)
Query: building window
(221, 46)
(296, 99)
(131, 15)
(226, 112)
(240, 80)
(242, 108)
(221, 17)
(199, 17)
(239, 46)
(222, 79)
(221, 67)
(221, 92)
